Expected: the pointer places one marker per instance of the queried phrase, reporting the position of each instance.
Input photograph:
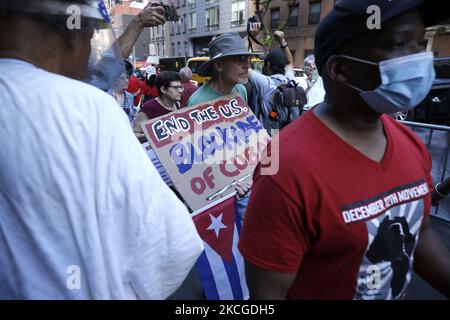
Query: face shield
(105, 63)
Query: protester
(135, 88)
(228, 68)
(84, 214)
(170, 89)
(313, 85)
(346, 215)
(278, 68)
(124, 98)
(149, 84)
(188, 86)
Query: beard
(243, 79)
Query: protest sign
(206, 148)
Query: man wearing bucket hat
(83, 212)
(228, 68)
(347, 216)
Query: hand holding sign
(209, 148)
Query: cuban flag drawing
(221, 265)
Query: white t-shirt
(83, 212)
(315, 95)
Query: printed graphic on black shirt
(393, 221)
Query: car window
(442, 67)
(194, 65)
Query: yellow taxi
(194, 64)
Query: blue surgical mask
(405, 82)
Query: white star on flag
(216, 224)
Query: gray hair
(186, 73)
(310, 59)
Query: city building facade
(121, 13)
(201, 20)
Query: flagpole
(213, 204)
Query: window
(179, 48)
(314, 12)
(212, 19)
(293, 18)
(173, 49)
(237, 13)
(186, 49)
(172, 28)
(274, 18)
(191, 4)
(184, 23)
(192, 21)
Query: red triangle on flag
(216, 227)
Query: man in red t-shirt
(346, 213)
(135, 87)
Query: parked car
(435, 108)
(194, 64)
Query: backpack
(286, 105)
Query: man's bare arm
(441, 191)
(279, 36)
(138, 132)
(432, 260)
(148, 17)
(268, 285)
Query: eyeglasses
(179, 88)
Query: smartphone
(170, 13)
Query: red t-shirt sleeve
(273, 236)
(133, 85)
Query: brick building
(307, 14)
(439, 39)
(302, 23)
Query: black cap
(276, 58)
(129, 69)
(348, 19)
